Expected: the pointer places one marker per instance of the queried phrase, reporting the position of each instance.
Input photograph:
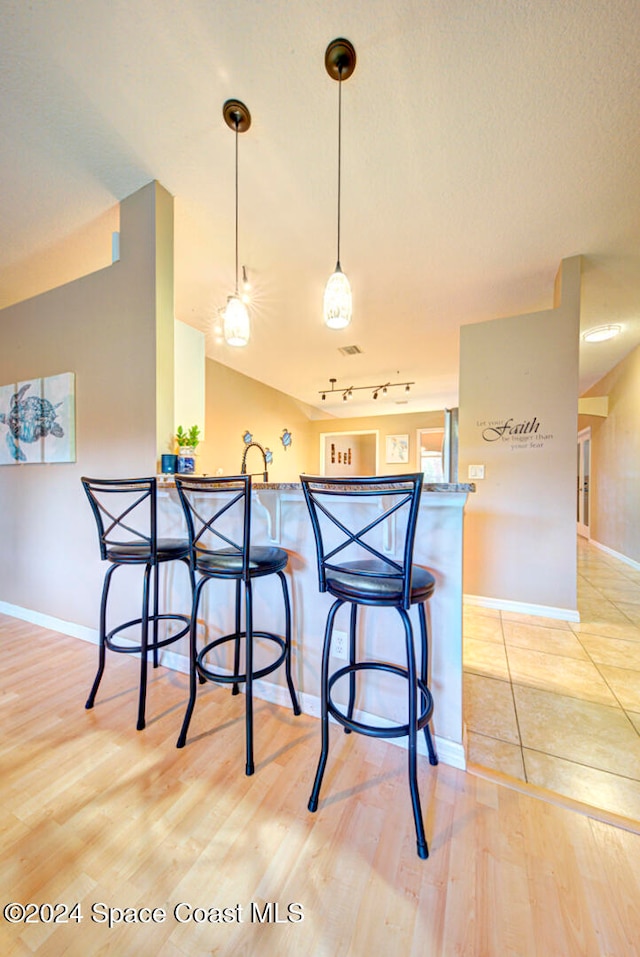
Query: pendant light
(340, 62)
(237, 328)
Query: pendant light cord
(236, 125)
(338, 267)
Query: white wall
(189, 379)
(518, 418)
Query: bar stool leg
(156, 589)
(193, 685)
(287, 639)
(424, 672)
(192, 581)
(249, 676)
(353, 621)
(423, 850)
(102, 638)
(324, 714)
(192, 577)
(236, 654)
(144, 648)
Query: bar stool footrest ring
(204, 669)
(151, 645)
(374, 731)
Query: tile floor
(556, 703)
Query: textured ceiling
(482, 144)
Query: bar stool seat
(167, 550)
(373, 516)
(365, 582)
(263, 560)
(125, 511)
(218, 510)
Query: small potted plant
(187, 444)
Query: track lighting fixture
(375, 389)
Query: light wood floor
(95, 812)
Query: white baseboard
(48, 621)
(614, 554)
(449, 752)
(523, 608)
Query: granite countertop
(167, 481)
(427, 486)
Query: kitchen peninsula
(280, 517)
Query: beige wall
(520, 533)
(385, 425)
(85, 250)
(615, 460)
(236, 403)
(350, 453)
(162, 242)
(103, 328)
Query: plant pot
(186, 460)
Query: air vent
(350, 350)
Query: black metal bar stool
(125, 511)
(218, 514)
(364, 531)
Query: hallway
(555, 703)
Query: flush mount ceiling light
(340, 62)
(601, 333)
(237, 328)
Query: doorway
(430, 454)
(584, 481)
(349, 453)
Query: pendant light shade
(236, 325)
(337, 301)
(340, 62)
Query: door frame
(335, 434)
(433, 430)
(584, 483)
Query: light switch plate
(476, 471)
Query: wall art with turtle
(37, 418)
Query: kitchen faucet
(243, 470)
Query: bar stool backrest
(218, 516)
(125, 512)
(348, 530)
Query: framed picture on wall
(397, 449)
(38, 416)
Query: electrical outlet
(339, 644)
